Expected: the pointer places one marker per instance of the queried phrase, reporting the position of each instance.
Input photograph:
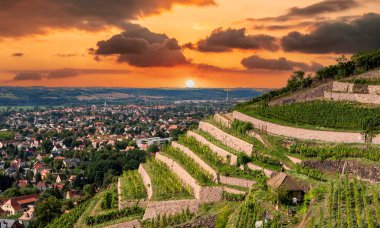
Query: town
(71, 153)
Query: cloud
(225, 40)
(327, 6)
(18, 54)
(22, 17)
(257, 63)
(140, 47)
(61, 73)
(314, 10)
(337, 37)
(27, 76)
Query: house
(2, 164)
(10, 223)
(72, 194)
(72, 178)
(41, 186)
(284, 182)
(71, 163)
(145, 143)
(19, 204)
(44, 173)
(37, 167)
(59, 186)
(22, 183)
(27, 216)
(60, 178)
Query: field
(166, 184)
(319, 114)
(347, 204)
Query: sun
(190, 84)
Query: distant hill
(30, 96)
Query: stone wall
(234, 191)
(299, 133)
(217, 150)
(202, 193)
(130, 224)
(236, 181)
(227, 139)
(146, 180)
(197, 160)
(343, 87)
(170, 207)
(267, 172)
(374, 89)
(362, 98)
(222, 119)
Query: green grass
(214, 161)
(321, 115)
(166, 185)
(132, 186)
(200, 175)
(6, 135)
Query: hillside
(307, 163)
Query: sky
(166, 43)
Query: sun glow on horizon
(190, 84)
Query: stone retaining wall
(345, 87)
(222, 119)
(267, 172)
(226, 138)
(374, 89)
(197, 160)
(202, 193)
(304, 134)
(129, 224)
(217, 150)
(146, 180)
(170, 207)
(236, 181)
(362, 98)
(234, 191)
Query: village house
(19, 204)
(10, 223)
(27, 216)
(41, 186)
(283, 182)
(60, 178)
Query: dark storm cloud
(258, 63)
(225, 40)
(27, 76)
(18, 54)
(142, 48)
(337, 37)
(22, 17)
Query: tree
(89, 190)
(153, 148)
(47, 210)
(47, 145)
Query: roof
(283, 180)
(5, 223)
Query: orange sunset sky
(164, 43)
